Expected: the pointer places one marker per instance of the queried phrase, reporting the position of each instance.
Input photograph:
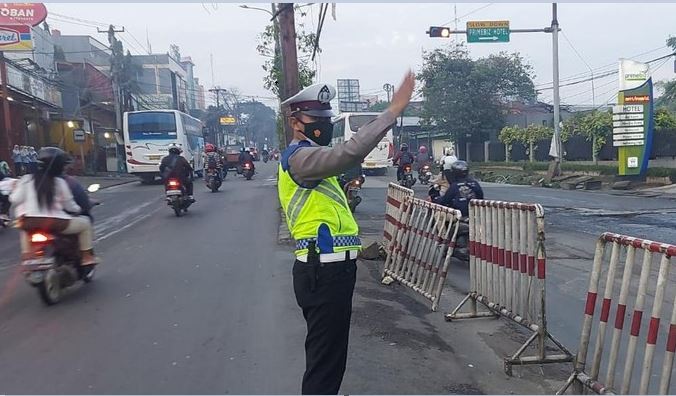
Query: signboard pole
(557, 100)
(7, 146)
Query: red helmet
(209, 148)
(422, 149)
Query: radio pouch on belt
(313, 262)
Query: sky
(377, 42)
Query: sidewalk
(109, 180)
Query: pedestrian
(16, 157)
(32, 159)
(320, 221)
(25, 160)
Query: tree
(466, 97)
(508, 136)
(595, 126)
(305, 42)
(667, 99)
(528, 136)
(664, 120)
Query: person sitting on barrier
(463, 188)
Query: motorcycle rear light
(39, 238)
(173, 183)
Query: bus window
(155, 125)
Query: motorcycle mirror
(93, 187)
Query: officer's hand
(402, 96)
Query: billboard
(15, 38)
(30, 14)
(633, 122)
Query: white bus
(148, 135)
(347, 124)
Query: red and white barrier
(396, 195)
(507, 273)
(649, 285)
(422, 246)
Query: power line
(468, 14)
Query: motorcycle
(266, 157)
(248, 170)
(213, 179)
(6, 186)
(425, 174)
(461, 250)
(54, 262)
(177, 197)
(352, 190)
(407, 179)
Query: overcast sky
(375, 43)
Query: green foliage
(466, 96)
(667, 99)
(528, 136)
(664, 120)
(273, 63)
(595, 126)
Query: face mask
(319, 132)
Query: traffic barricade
(396, 195)
(507, 274)
(422, 247)
(620, 359)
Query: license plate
(173, 192)
(429, 173)
(154, 157)
(370, 164)
(38, 261)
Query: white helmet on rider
(448, 161)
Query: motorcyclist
(351, 174)
(80, 195)
(44, 201)
(175, 165)
(266, 154)
(213, 160)
(5, 175)
(244, 157)
(463, 188)
(444, 179)
(422, 158)
(403, 158)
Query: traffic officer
(320, 221)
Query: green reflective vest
(320, 214)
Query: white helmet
(449, 160)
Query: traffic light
(439, 31)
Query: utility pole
(217, 91)
(389, 88)
(287, 33)
(6, 145)
(557, 100)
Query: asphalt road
(203, 304)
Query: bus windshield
(153, 125)
(358, 121)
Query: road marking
(132, 223)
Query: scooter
(212, 177)
(425, 174)
(407, 179)
(6, 186)
(266, 157)
(248, 170)
(54, 262)
(352, 190)
(177, 197)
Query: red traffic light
(439, 31)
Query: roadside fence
(396, 195)
(507, 274)
(421, 247)
(649, 285)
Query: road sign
(488, 31)
(15, 38)
(628, 130)
(628, 109)
(622, 143)
(78, 135)
(629, 123)
(619, 117)
(229, 120)
(628, 136)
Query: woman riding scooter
(44, 201)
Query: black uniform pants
(327, 311)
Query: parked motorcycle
(248, 170)
(213, 179)
(352, 190)
(177, 197)
(407, 179)
(425, 174)
(54, 262)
